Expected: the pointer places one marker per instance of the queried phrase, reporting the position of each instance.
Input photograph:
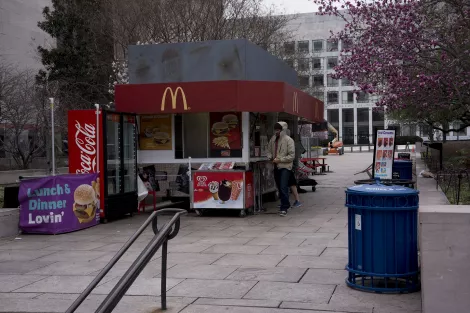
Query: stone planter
(9, 220)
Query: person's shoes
(283, 213)
(297, 204)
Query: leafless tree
(24, 128)
(168, 21)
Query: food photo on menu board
(225, 134)
(384, 153)
(155, 132)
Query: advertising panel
(156, 132)
(218, 190)
(59, 204)
(225, 134)
(384, 153)
(84, 153)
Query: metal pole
(163, 279)
(97, 137)
(52, 135)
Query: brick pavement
(258, 264)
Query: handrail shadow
(168, 232)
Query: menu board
(225, 134)
(384, 153)
(156, 132)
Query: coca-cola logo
(85, 139)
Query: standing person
(281, 151)
(295, 164)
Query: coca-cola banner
(59, 204)
(84, 135)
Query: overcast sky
(293, 6)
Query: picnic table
(315, 163)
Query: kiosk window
(196, 135)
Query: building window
(317, 64)
(346, 82)
(462, 132)
(303, 46)
(303, 81)
(332, 97)
(318, 81)
(303, 65)
(317, 45)
(348, 97)
(289, 47)
(319, 95)
(332, 45)
(332, 62)
(331, 82)
(345, 45)
(290, 62)
(362, 97)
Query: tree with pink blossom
(414, 54)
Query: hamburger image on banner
(84, 206)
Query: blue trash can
(383, 238)
(402, 169)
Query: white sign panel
(358, 223)
(384, 153)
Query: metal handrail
(160, 239)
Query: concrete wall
(445, 258)
(206, 61)
(19, 33)
(444, 248)
(9, 219)
(11, 177)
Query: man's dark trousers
(281, 175)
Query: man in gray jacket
(281, 151)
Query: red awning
(218, 96)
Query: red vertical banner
(249, 190)
(84, 153)
(225, 134)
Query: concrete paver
(280, 274)
(258, 264)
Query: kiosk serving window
(195, 135)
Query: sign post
(384, 153)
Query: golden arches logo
(173, 97)
(295, 103)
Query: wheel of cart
(242, 213)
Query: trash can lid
(402, 161)
(378, 188)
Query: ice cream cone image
(225, 190)
(214, 189)
(236, 190)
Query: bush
(403, 140)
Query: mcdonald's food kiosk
(220, 129)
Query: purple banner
(59, 204)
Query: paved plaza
(258, 264)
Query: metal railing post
(168, 232)
(163, 278)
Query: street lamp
(52, 135)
